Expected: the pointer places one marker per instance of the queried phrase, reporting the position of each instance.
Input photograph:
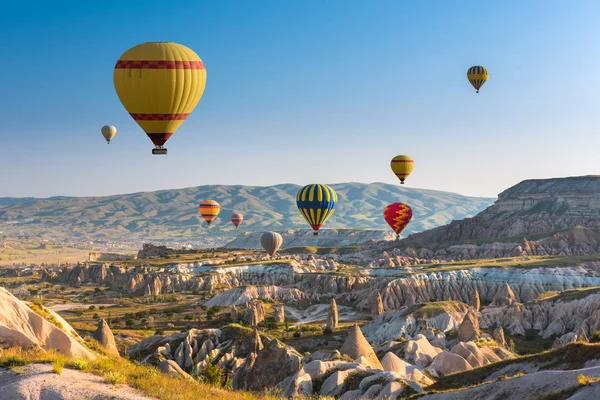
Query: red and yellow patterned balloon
(397, 215)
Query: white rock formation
(20, 326)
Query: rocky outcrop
(267, 367)
(356, 346)
(393, 363)
(499, 337)
(504, 297)
(279, 315)
(233, 313)
(332, 316)
(420, 351)
(582, 336)
(105, 337)
(469, 328)
(21, 326)
(377, 306)
(447, 363)
(170, 367)
(254, 361)
(256, 344)
(476, 301)
(255, 313)
(553, 317)
(242, 295)
(410, 321)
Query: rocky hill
(534, 208)
(173, 214)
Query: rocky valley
(506, 303)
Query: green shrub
(114, 378)
(595, 337)
(81, 365)
(212, 375)
(58, 365)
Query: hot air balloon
(402, 167)
(397, 215)
(209, 209)
(159, 84)
(109, 132)
(271, 242)
(477, 75)
(316, 204)
(237, 219)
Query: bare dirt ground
(38, 382)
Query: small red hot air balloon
(397, 215)
(237, 219)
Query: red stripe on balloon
(159, 117)
(158, 64)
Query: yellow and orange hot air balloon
(209, 209)
(397, 215)
(159, 84)
(402, 167)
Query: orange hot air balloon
(159, 84)
(397, 215)
(237, 219)
(209, 209)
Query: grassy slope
(173, 213)
(146, 379)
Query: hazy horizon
(305, 92)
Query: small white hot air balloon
(109, 132)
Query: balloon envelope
(209, 209)
(237, 219)
(397, 215)
(109, 132)
(271, 242)
(159, 84)
(477, 75)
(316, 203)
(402, 167)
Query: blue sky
(305, 91)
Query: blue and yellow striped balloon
(316, 204)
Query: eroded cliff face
(285, 283)
(532, 207)
(273, 279)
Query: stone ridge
(589, 184)
(533, 207)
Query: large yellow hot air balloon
(402, 167)
(109, 132)
(159, 83)
(477, 75)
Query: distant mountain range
(173, 214)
